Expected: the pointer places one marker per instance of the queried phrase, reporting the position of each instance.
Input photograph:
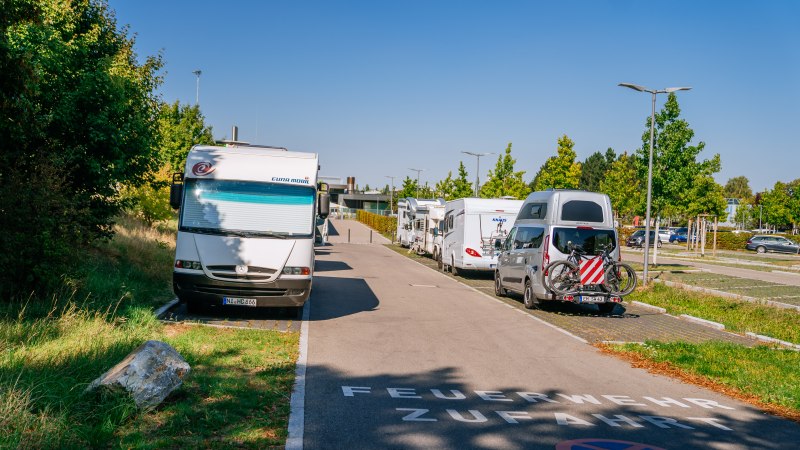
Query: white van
(546, 224)
(246, 226)
(471, 228)
(415, 217)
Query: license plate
(238, 301)
(593, 299)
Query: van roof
(251, 150)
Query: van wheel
(453, 268)
(498, 286)
(529, 299)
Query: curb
(645, 305)
(160, 311)
(762, 338)
(728, 295)
(705, 322)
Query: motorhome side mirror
(176, 191)
(324, 205)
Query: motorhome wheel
(453, 268)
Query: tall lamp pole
(418, 171)
(197, 73)
(650, 167)
(478, 171)
(391, 195)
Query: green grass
(769, 374)
(738, 316)
(53, 345)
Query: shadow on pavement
(338, 297)
(331, 266)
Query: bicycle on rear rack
(567, 277)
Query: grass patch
(761, 375)
(53, 346)
(738, 316)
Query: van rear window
(592, 241)
(582, 211)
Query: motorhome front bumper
(206, 291)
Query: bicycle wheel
(563, 277)
(620, 279)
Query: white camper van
(547, 223)
(416, 219)
(471, 228)
(246, 227)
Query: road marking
(423, 285)
(298, 401)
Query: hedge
(382, 224)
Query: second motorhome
(471, 229)
(418, 222)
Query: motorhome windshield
(247, 208)
(591, 240)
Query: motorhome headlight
(185, 264)
(296, 271)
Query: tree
(745, 217)
(675, 164)
(503, 180)
(446, 187)
(78, 121)
(623, 187)
(366, 188)
(707, 197)
(738, 187)
(594, 169)
(560, 171)
(781, 205)
(181, 127)
(463, 187)
(409, 189)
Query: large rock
(148, 373)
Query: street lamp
(391, 195)
(197, 73)
(650, 166)
(478, 171)
(418, 171)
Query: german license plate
(593, 299)
(238, 301)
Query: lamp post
(391, 195)
(478, 170)
(650, 167)
(197, 73)
(418, 171)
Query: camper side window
(582, 211)
(533, 211)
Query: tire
(563, 277)
(439, 262)
(453, 268)
(529, 299)
(498, 286)
(658, 244)
(761, 249)
(606, 308)
(620, 279)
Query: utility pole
(478, 171)
(418, 171)
(197, 73)
(391, 195)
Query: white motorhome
(246, 227)
(471, 228)
(547, 223)
(416, 220)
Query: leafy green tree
(78, 121)
(560, 171)
(426, 191)
(745, 214)
(503, 180)
(738, 187)
(675, 164)
(409, 189)
(446, 187)
(707, 197)
(622, 185)
(594, 168)
(181, 127)
(463, 187)
(781, 205)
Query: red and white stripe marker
(592, 271)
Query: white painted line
(298, 401)
(160, 311)
(705, 322)
(645, 305)
(423, 285)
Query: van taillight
(546, 253)
(472, 252)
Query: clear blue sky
(377, 87)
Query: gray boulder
(149, 373)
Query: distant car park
(637, 239)
(762, 244)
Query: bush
(382, 224)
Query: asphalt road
(401, 356)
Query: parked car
(637, 239)
(664, 234)
(763, 244)
(679, 237)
